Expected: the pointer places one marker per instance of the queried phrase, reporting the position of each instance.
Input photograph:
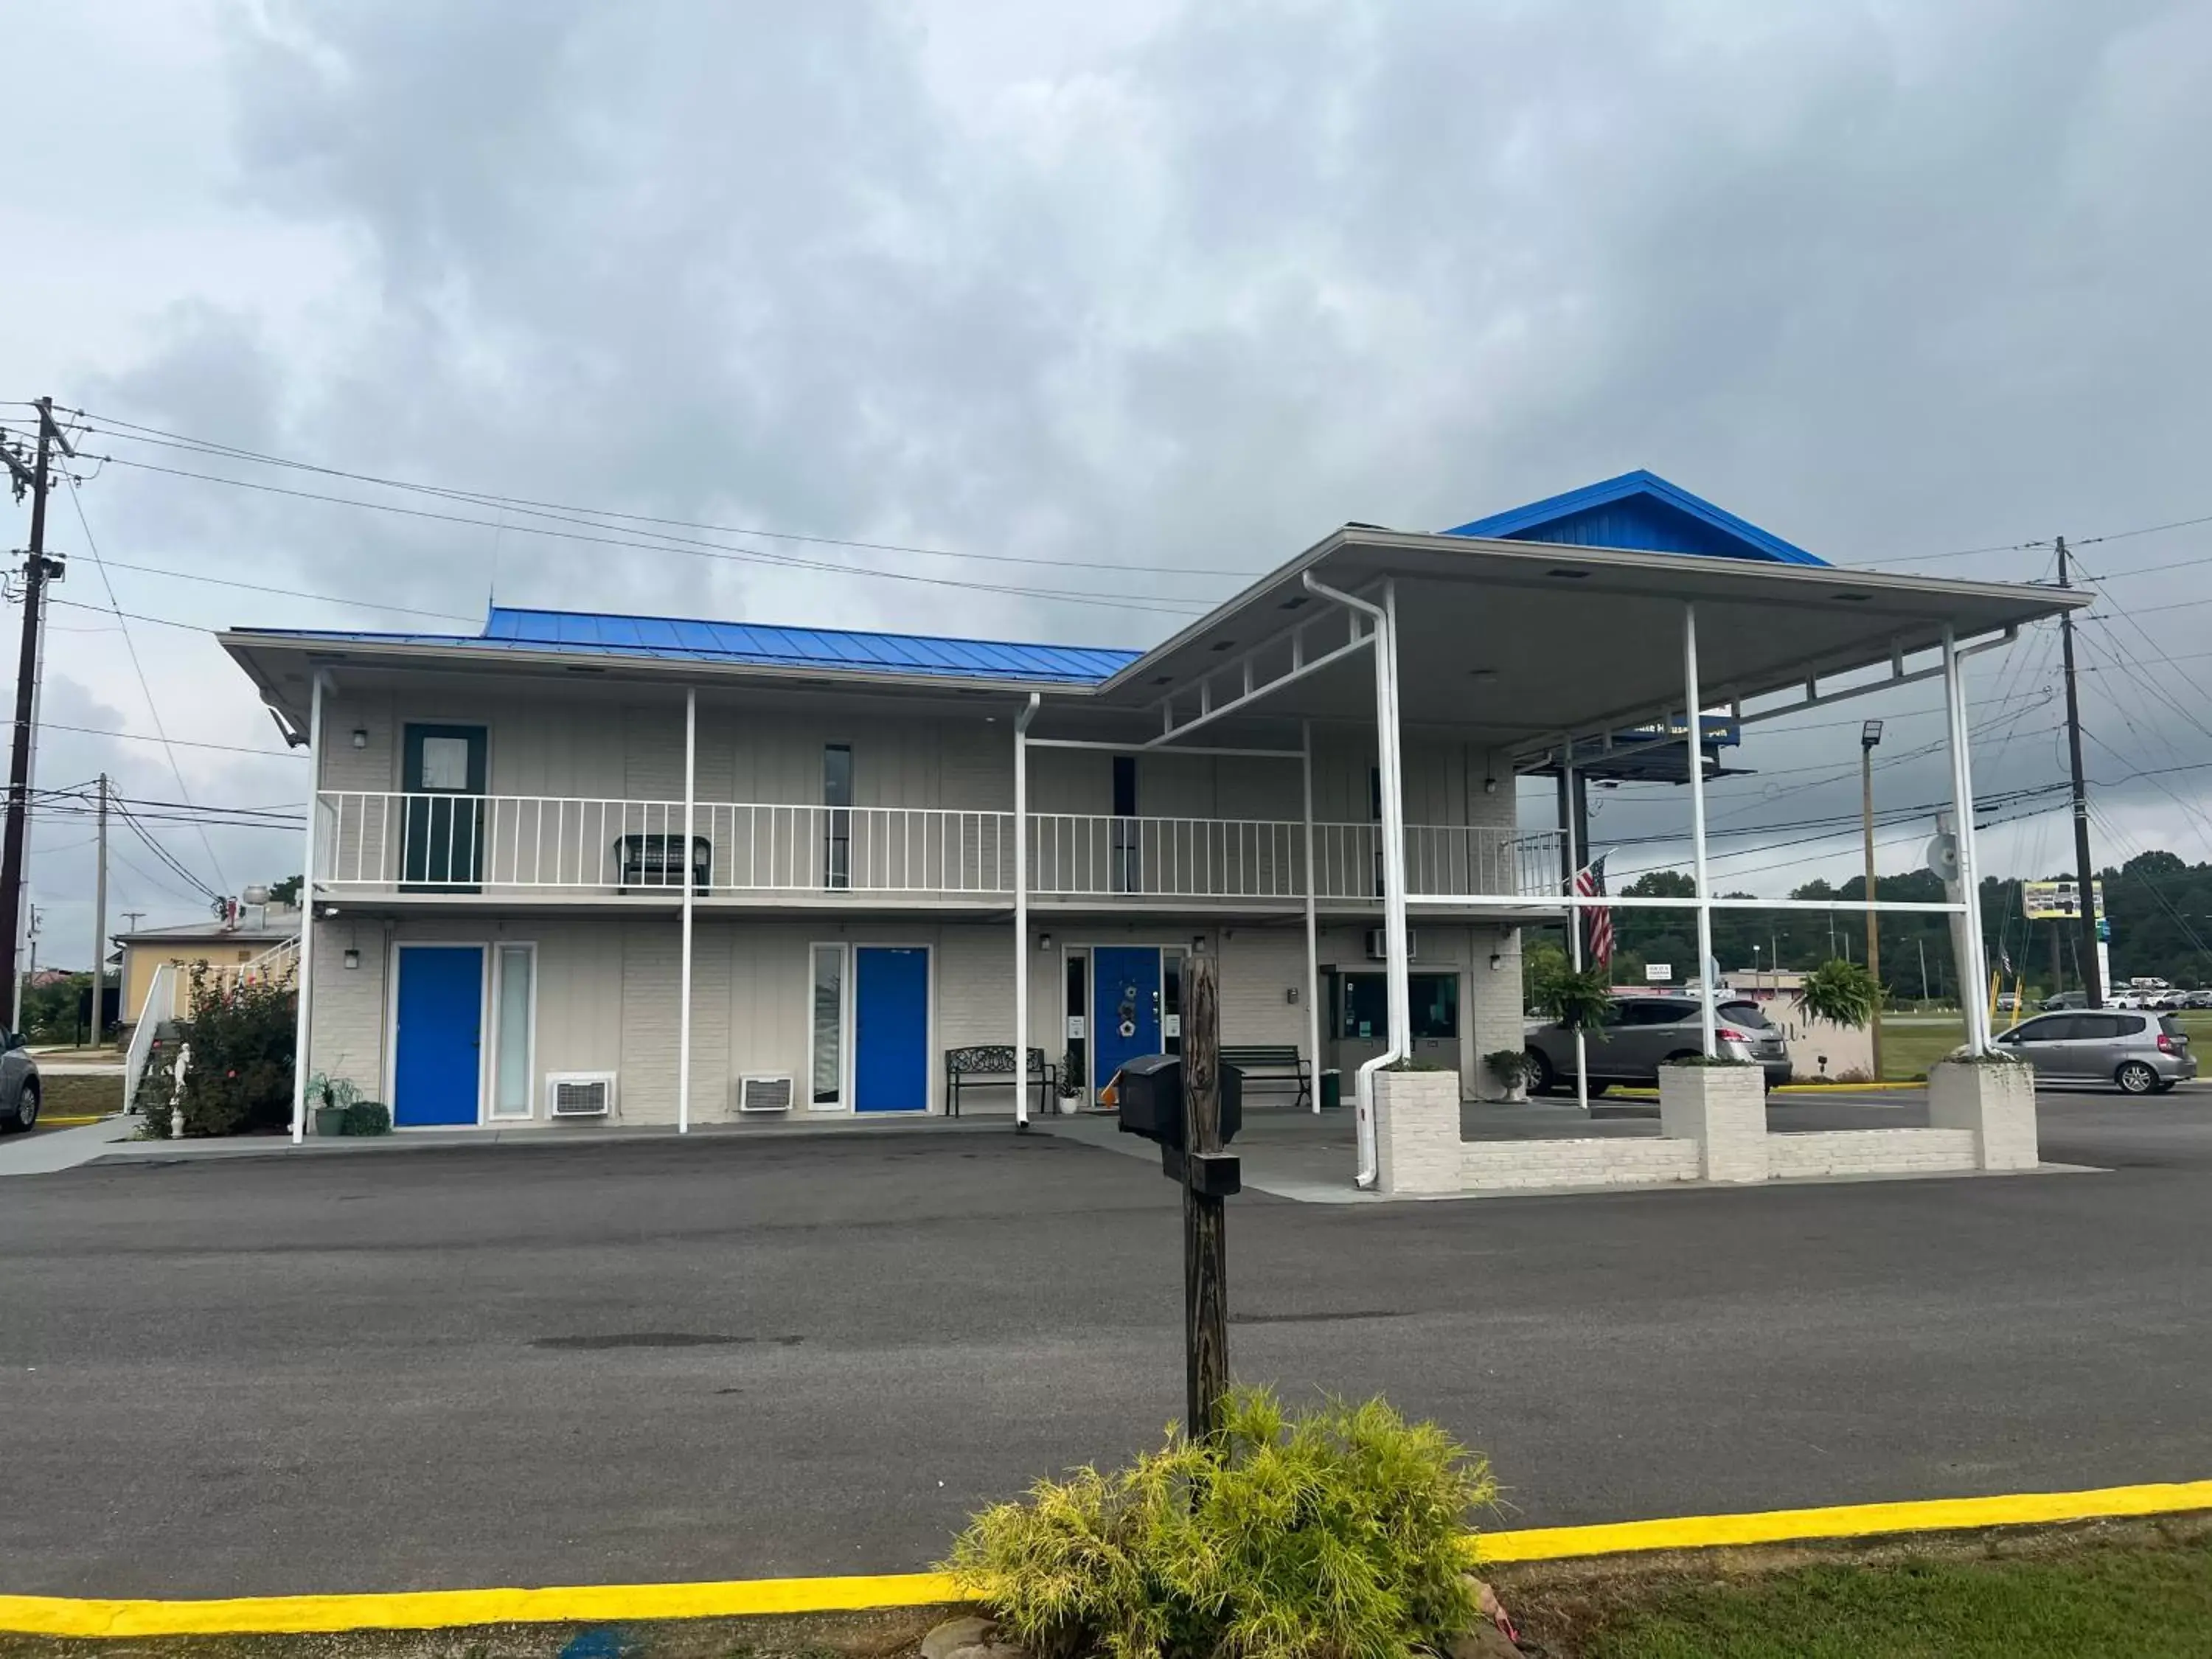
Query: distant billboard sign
(2052, 901)
(1658, 973)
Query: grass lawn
(66, 1095)
(2142, 1599)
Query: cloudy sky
(1102, 286)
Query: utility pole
(2093, 979)
(37, 567)
(99, 912)
(1205, 1236)
(1869, 735)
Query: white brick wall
(1612, 1161)
(1870, 1151)
(1417, 1142)
(1995, 1104)
(346, 1030)
(1493, 1017)
(1723, 1109)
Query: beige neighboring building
(258, 932)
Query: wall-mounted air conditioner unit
(580, 1094)
(765, 1091)
(1376, 951)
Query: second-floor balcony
(550, 847)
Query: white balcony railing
(387, 842)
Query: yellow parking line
(262, 1615)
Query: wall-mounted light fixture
(1044, 941)
(360, 736)
(352, 957)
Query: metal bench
(651, 861)
(996, 1060)
(1280, 1060)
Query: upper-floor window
(1127, 873)
(838, 822)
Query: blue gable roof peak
(1638, 511)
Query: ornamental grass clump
(1339, 1533)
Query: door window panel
(826, 1084)
(511, 1070)
(445, 764)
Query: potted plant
(332, 1098)
(1841, 992)
(1513, 1067)
(1576, 1000)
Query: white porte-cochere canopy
(1551, 654)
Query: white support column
(683, 864)
(305, 996)
(1313, 934)
(1574, 911)
(1022, 911)
(1692, 703)
(1974, 967)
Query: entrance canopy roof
(1509, 635)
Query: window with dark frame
(1127, 874)
(838, 822)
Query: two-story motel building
(654, 871)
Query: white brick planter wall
(1870, 1151)
(1996, 1102)
(1522, 1165)
(1417, 1147)
(1723, 1109)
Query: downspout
(683, 864)
(1022, 911)
(1397, 1046)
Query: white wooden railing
(169, 996)
(368, 840)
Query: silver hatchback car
(1644, 1032)
(2143, 1053)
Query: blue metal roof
(1639, 512)
(587, 633)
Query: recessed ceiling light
(1296, 601)
(1565, 574)
(1483, 676)
(1162, 679)
(1223, 645)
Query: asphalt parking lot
(656, 1360)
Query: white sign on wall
(1659, 972)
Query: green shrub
(1512, 1067)
(1337, 1534)
(242, 1039)
(365, 1117)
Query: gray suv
(19, 1085)
(2143, 1053)
(1643, 1031)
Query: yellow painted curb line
(48, 1122)
(265, 1615)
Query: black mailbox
(1150, 1096)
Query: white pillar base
(1996, 1102)
(1723, 1109)
(1417, 1148)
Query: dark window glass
(1172, 998)
(837, 829)
(2171, 1027)
(1127, 871)
(2099, 1026)
(1436, 1004)
(1742, 1013)
(1078, 1004)
(1125, 785)
(2130, 1024)
(1366, 1007)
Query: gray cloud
(1188, 285)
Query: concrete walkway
(50, 1150)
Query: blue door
(1125, 1007)
(891, 1029)
(440, 1041)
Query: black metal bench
(651, 861)
(996, 1060)
(1280, 1060)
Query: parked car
(2141, 1053)
(2008, 1001)
(19, 1085)
(2060, 1000)
(2198, 999)
(1645, 1031)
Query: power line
(198, 579)
(562, 512)
(152, 708)
(180, 743)
(691, 549)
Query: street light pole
(1870, 735)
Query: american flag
(1589, 883)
